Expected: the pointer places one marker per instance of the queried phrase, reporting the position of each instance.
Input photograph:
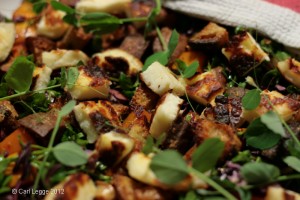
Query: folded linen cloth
(278, 19)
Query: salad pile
(127, 100)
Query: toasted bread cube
(96, 118)
(244, 53)
(284, 106)
(211, 38)
(113, 147)
(290, 70)
(143, 97)
(77, 186)
(51, 24)
(7, 39)
(204, 129)
(91, 83)
(118, 59)
(24, 11)
(203, 88)
(111, 6)
(56, 59)
(161, 80)
(165, 114)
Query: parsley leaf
(19, 75)
(169, 167)
(127, 85)
(203, 158)
(281, 55)
(38, 7)
(251, 99)
(259, 173)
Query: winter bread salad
(122, 99)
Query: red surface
(291, 4)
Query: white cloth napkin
(277, 22)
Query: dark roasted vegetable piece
(211, 38)
(135, 45)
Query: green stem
(47, 152)
(28, 92)
(288, 177)
(213, 184)
(161, 38)
(291, 132)
(137, 19)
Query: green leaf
(63, 77)
(293, 162)
(273, 122)
(99, 22)
(60, 6)
(38, 7)
(243, 157)
(70, 154)
(173, 42)
(72, 75)
(191, 195)
(259, 173)
(180, 65)
(3, 89)
(259, 136)
(169, 167)
(66, 109)
(71, 19)
(191, 70)
(292, 147)
(204, 158)
(161, 57)
(281, 55)
(251, 99)
(148, 146)
(19, 75)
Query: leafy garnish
(258, 135)
(70, 154)
(273, 122)
(187, 71)
(169, 167)
(203, 158)
(293, 162)
(19, 75)
(281, 55)
(251, 99)
(163, 56)
(259, 173)
(38, 7)
(127, 86)
(152, 145)
(69, 77)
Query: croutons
(165, 114)
(143, 97)
(161, 80)
(118, 60)
(7, 39)
(244, 53)
(76, 187)
(204, 129)
(63, 58)
(203, 88)
(290, 70)
(91, 83)
(211, 38)
(284, 106)
(51, 24)
(112, 6)
(96, 118)
(113, 147)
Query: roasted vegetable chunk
(211, 38)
